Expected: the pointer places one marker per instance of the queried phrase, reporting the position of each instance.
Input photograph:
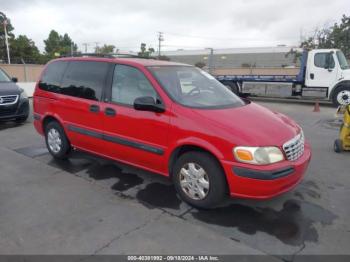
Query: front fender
(198, 142)
(343, 82)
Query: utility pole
(96, 47)
(86, 45)
(160, 40)
(6, 37)
(211, 58)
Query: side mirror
(14, 79)
(147, 103)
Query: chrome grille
(8, 100)
(294, 148)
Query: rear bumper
(21, 109)
(264, 182)
(38, 123)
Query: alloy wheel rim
(343, 97)
(194, 181)
(54, 140)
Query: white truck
(324, 74)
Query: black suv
(14, 103)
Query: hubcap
(194, 181)
(54, 140)
(343, 97)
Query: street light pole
(6, 37)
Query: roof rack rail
(103, 55)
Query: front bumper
(263, 182)
(18, 110)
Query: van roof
(139, 61)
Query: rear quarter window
(52, 76)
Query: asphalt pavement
(88, 205)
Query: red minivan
(172, 119)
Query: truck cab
(328, 72)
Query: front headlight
(258, 155)
(23, 94)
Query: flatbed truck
(324, 74)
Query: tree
(67, 44)
(340, 36)
(9, 27)
(58, 44)
(52, 43)
(144, 52)
(200, 64)
(164, 58)
(21, 47)
(24, 49)
(105, 49)
(336, 36)
(296, 55)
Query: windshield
(4, 77)
(193, 87)
(342, 60)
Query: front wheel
(56, 140)
(341, 96)
(199, 179)
(21, 120)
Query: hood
(9, 88)
(251, 125)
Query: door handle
(312, 75)
(94, 108)
(110, 111)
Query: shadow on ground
(293, 224)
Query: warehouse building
(261, 57)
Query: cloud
(185, 23)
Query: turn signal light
(244, 155)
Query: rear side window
(84, 79)
(52, 76)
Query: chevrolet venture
(172, 119)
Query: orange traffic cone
(317, 106)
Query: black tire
(215, 175)
(341, 89)
(338, 146)
(232, 87)
(65, 144)
(21, 120)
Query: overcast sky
(187, 24)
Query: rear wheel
(341, 96)
(232, 87)
(56, 140)
(199, 179)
